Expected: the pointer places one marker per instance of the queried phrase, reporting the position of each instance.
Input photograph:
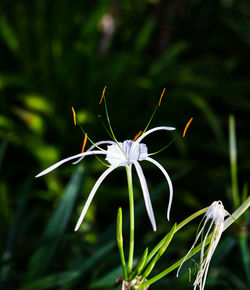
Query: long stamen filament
(163, 147)
(109, 123)
(156, 108)
(104, 126)
(79, 124)
(151, 118)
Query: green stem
(132, 218)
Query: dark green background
(58, 54)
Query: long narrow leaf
(56, 226)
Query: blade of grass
(89, 264)
(3, 148)
(62, 278)
(12, 235)
(233, 161)
(56, 226)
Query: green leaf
(56, 227)
(120, 242)
(8, 35)
(2, 152)
(52, 281)
(162, 249)
(88, 264)
(108, 280)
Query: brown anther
(161, 96)
(137, 135)
(74, 115)
(187, 125)
(103, 93)
(84, 142)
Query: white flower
(216, 213)
(122, 154)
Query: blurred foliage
(55, 54)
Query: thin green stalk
(139, 266)
(160, 252)
(132, 218)
(190, 218)
(120, 243)
(240, 210)
(233, 161)
(178, 227)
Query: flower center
(126, 152)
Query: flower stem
(132, 218)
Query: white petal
(205, 261)
(153, 130)
(196, 239)
(91, 195)
(93, 146)
(168, 180)
(68, 159)
(145, 194)
(205, 239)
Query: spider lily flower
(216, 213)
(124, 154)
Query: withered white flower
(126, 153)
(216, 213)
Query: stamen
(163, 147)
(137, 135)
(187, 125)
(161, 96)
(156, 108)
(74, 115)
(84, 142)
(103, 93)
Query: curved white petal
(93, 146)
(68, 159)
(153, 130)
(168, 180)
(92, 194)
(145, 194)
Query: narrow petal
(204, 260)
(91, 147)
(168, 180)
(196, 239)
(145, 194)
(68, 159)
(153, 130)
(92, 194)
(205, 239)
